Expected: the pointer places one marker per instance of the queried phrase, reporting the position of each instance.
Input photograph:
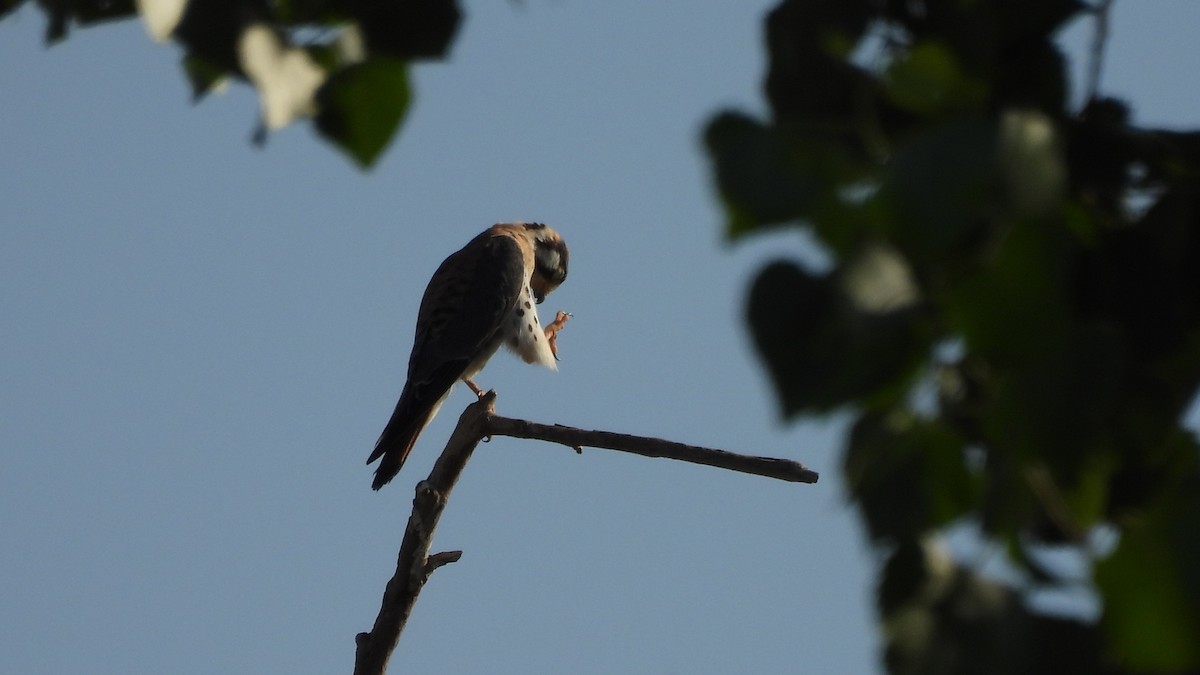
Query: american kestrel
(484, 295)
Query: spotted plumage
(482, 296)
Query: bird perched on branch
(484, 295)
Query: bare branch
(770, 467)
(414, 564)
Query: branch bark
(414, 564)
(770, 467)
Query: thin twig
(1099, 39)
(770, 467)
(439, 559)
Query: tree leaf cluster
(1012, 313)
(343, 63)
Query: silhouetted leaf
(7, 6)
(361, 107)
(202, 75)
(412, 29)
(1012, 307)
(1025, 19)
(1151, 586)
(759, 177)
(1032, 74)
(928, 81)
(821, 349)
(211, 29)
(810, 80)
(789, 312)
(1065, 397)
(60, 13)
(943, 188)
(308, 12)
(908, 475)
(327, 56)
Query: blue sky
(202, 340)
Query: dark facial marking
(543, 270)
(558, 274)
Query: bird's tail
(399, 437)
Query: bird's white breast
(524, 333)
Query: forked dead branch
(414, 564)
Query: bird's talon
(475, 388)
(560, 320)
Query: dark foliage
(1014, 313)
(342, 62)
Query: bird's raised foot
(560, 320)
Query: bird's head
(550, 258)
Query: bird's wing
(462, 311)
